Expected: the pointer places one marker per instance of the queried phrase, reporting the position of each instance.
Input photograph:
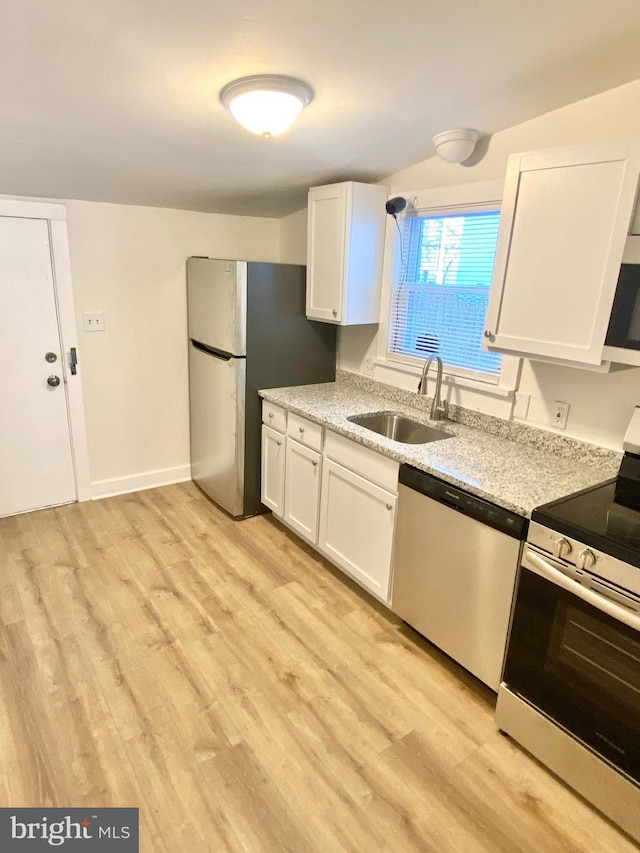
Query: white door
(302, 489)
(36, 463)
(272, 473)
(357, 522)
(565, 218)
(326, 252)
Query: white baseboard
(138, 482)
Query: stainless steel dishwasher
(456, 557)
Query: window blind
(441, 290)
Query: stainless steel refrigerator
(247, 330)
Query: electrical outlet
(560, 412)
(93, 321)
(368, 366)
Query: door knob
(54, 381)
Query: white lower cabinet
(302, 489)
(357, 521)
(272, 470)
(333, 492)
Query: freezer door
(217, 303)
(217, 403)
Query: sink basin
(399, 427)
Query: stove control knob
(561, 548)
(586, 559)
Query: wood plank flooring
(246, 696)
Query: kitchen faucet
(439, 407)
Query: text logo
(80, 830)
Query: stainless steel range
(571, 685)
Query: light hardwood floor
(225, 679)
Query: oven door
(575, 662)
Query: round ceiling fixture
(266, 104)
(456, 146)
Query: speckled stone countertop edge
(549, 442)
(516, 476)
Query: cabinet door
(357, 520)
(302, 489)
(327, 230)
(272, 470)
(565, 217)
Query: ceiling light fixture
(456, 146)
(266, 104)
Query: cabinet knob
(278, 443)
(314, 462)
(488, 334)
(335, 312)
(270, 414)
(301, 430)
(389, 507)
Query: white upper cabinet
(344, 252)
(566, 214)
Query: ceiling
(118, 101)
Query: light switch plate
(93, 321)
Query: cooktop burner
(594, 517)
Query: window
(441, 287)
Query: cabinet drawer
(274, 416)
(368, 463)
(304, 431)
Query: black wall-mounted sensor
(395, 205)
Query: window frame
(466, 198)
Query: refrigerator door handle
(216, 353)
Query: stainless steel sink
(399, 427)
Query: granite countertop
(514, 474)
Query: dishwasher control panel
(482, 510)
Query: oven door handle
(541, 567)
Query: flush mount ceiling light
(456, 146)
(266, 104)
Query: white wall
(293, 238)
(130, 263)
(601, 405)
